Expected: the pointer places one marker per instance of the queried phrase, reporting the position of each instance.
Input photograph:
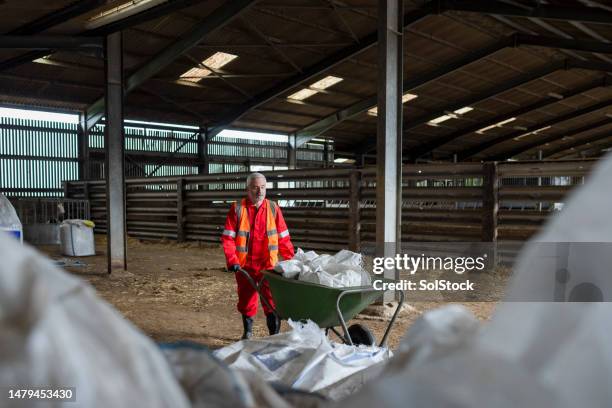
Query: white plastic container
(77, 238)
(17, 233)
(9, 221)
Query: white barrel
(77, 238)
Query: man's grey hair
(254, 176)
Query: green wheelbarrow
(327, 307)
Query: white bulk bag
(77, 238)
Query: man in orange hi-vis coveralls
(255, 234)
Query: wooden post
(354, 225)
(180, 210)
(490, 205)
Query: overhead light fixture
(42, 60)
(440, 119)
(495, 125)
(344, 160)
(215, 61)
(464, 110)
(405, 98)
(534, 132)
(314, 88)
(450, 115)
(326, 82)
(302, 94)
(121, 11)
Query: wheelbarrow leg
(347, 336)
(383, 342)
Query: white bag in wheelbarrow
(302, 358)
(56, 333)
(341, 270)
(292, 268)
(77, 238)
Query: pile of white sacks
(341, 270)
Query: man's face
(256, 190)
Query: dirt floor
(181, 292)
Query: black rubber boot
(247, 324)
(273, 323)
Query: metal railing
(335, 208)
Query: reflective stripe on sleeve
(284, 234)
(229, 233)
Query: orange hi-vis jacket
(253, 237)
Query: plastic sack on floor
(542, 348)
(209, 382)
(77, 238)
(439, 332)
(55, 332)
(302, 358)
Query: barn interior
(380, 126)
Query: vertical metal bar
(326, 154)
(490, 206)
(389, 133)
(180, 210)
(540, 157)
(354, 212)
(83, 147)
(115, 150)
(292, 153)
(203, 152)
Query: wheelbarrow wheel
(361, 335)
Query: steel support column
(203, 152)
(292, 153)
(115, 145)
(389, 133)
(83, 147)
(326, 154)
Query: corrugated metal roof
(275, 41)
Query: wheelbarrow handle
(257, 287)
